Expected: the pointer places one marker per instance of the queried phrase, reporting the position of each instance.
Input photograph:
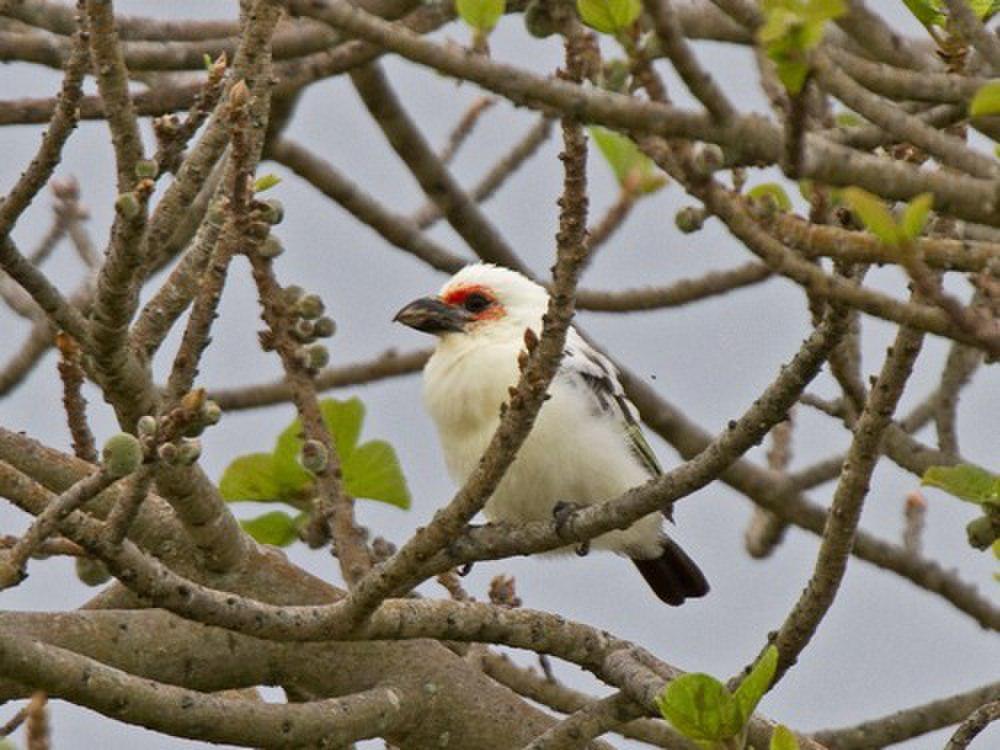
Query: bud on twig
(313, 456)
(239, 94)
(121, 454)
(530, 340)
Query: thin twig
(841, 527)
(977, 721)
(74, 402)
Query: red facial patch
(459, 296)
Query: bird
(586, 445)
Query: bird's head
(480, 300)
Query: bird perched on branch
(586, 445)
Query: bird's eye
(476, 302)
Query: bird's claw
(582, 549)
(465, 569)
(562, 514)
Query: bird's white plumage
(582, 447)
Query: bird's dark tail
(673, 576)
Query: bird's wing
(583, 365)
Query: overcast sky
(885, 645)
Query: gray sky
(885, 645)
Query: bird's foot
(454, 549)
(562, 514)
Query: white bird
(586, 445)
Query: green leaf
(343, 419)
(986, 101)
(782, 738)
(276, 528)
(848, 119)
(634, 171)
(755, 684)
(928, 12)
(984, 9)
(914, 217)
(873, 214)
(965, 481)
(791, 29)
(250, 477)
(700, 708)
(481, 14)
(372, 471)
(771, 191)
(609, 16)
(265, 182)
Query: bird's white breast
(571, 455)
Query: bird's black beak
(431, 315)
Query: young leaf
(265, 182)
(966, 482)
(984, 9)
(791, 29)
(250, 477)
(481, 15)
(848, 119)
(755, 684)
(343, 419)
(782, 738)
(914, 217)
(633, 169)
(928, 12)
(772, 191)
(700, 708)
(276, 528)
(873, 214)
(372, 471)
(986, 101)
(609, 16)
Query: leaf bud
(188, 451)
(91, 572)
(121, 454)
(147, 169)
(689, 219)
(304, 330)
(310, 306)
(167, 453)
(211, 412)
(319, 356)
(258, 230)
(128, 206)
(707, 160)
(239, 94)
(324, 327)
(274, 211)
(538, 20)
(270, 248)
(146, 426)
(982, 532)
(313, 456)
(291, 293)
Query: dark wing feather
(582, 365)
